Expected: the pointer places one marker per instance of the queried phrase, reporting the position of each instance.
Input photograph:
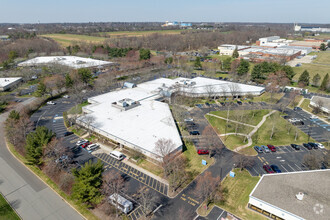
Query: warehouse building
(228, 49)
(293, 196)
(69, 61)
(136, 117)
(260, 54)
(273, 41)
(9, 83)
(311, 29)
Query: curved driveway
(27, 194)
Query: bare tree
(114, 183)
(242, 161)
(210, 90)
(88, 121)
(206, 186)
(211, 140)
(164, 147)
(147, 200)
(318, 108)
(176, 172)
(312, 161)
(234, 89)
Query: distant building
(228, 49)
(8, 83)
(260, 54)
(273, 41)
(298, 28)
(315, 44)
(293, 196)
(4, 38)
(175, 23)
(322, 102)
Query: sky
(274, 11)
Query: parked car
(81, 142)
(268, 169)
(258, 149)
(92, 147)
(86, 144)
(207, 104)
(297, 109)
(264, 148)
(275, 168)
(295, 146)
(313, 117)
(271, 147)
(315, 146)
(320, 145)
(222, 103)
(51, 103)
(188, 119)
(309, 147)
(117, 155)
(202, 151)
(67, 133)
(239, 102)
(66, 96)
(194, 133)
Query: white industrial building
(228, 49)
(304, 50)
(136, 118)
(293, 196)
(8, 83)
(69, 61)
(273, 41)
(322, 102)
(311, 29)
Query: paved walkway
(248, 136)
(26, 193)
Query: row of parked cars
(266, 149)
(87, 145)
(272, 169)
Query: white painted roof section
(152, 120)
(6, 81)
(70, 61)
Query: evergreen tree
(68, 81)
(197, 63)
(257, 72)
(235, 53)
(35, 143)
(316, 80)
(323, 47)
(325, 85)
(227, 64)
(86, 76)
(12, 55)
(88, 181)
(41, 90)
(145, 54)
(243, 67)
(289, 71)
(304, 78)
(14, 115)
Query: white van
(117, 155)
(121, 203)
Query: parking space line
(291, 167)
(299, 168)
(284, 168)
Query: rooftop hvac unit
(300, 196)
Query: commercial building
(315, 44)
(228, 49)
(293, 196)
(137, 118)
(8, 83)
(322, 102)
(304, 50)
(311, 29)
(273, 41)
(69, 61)
(260, 54)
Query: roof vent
(300, 196)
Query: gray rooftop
(280, 190)
(325, 102)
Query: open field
(140, 33)
(266, 97)
(220, 126)
(237, 191)
(253, 117)
(322, 57)
(69, 39)
(233, 141)
(284, 132)
(6, 211)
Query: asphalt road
(27, 194)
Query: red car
(272, 148)
(201, 151)
(268, 169)
(86, 144)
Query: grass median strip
(6, 211)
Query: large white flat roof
(145, 124)
(70, 61)
(6, 81)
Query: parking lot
(316, 128)
(286, 158)
(132, 172)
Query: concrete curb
(11, 206)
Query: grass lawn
(322, 57)
(151, 167)
(237, 195)
(79, 206)
(220, 126)
(305, 105)
(69, 39)
(281, 135)
(141, 33)
(77, 109)
(234, 141)
(252, 117)
(248, 151)
(266, 97)
(6, 211)
(195, 165)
